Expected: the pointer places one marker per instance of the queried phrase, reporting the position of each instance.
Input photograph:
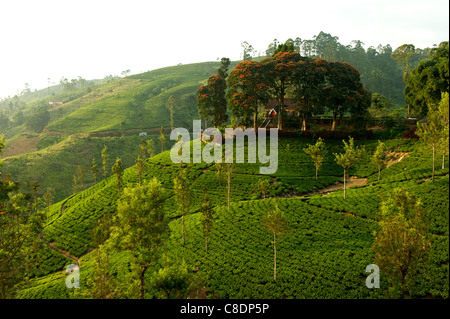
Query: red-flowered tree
(211, 102)
(308, 84)
(342, 86)
(247, 89)
(279, 71)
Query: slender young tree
(444, 114)
(432, 132)
(348, 158)
(229, 170)
(206, 211)
(117, 170)
(48, 197)
(318, 153)
(275, 223)
(141, 167)
(80, 176)
(263, 186)
(162, 138)
(94, 170)
(220, 167)
(379, 158)
(105, 161)
(170, 105)
(183, 194)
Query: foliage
(247, 89)
(379, 158)
(317, 152)
(350, 156)
(428, 80)
(140, 225)
(401, 242)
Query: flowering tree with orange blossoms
(309, 77)
(279, 71)
(247, 89)
(211, 102)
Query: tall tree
(48, 197)
(224, 65)
(348, 158)
(318, 154)
(428, 80)
(105, 161)
(279, 69)
(444, 115)
(248, 50)
(94, 170)
(141, 167)
(401, 243)
(432, 132)
(141, 226)
(247, 89)
(170, 105)
(342, 89)
(275, 223)
(379, 158)
(220, 168)
(211, 101)
(117, 170)
(229, 167)
(206, 210)
(162, 138)
(308, 84)
(402, 55)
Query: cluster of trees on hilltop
(318, 85)
(380, 72)
(314, 84)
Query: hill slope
(324, 255)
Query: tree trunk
(274, 257)
(141, 277)
(280, 109)
(317, 168)
(255, 118)
(434, 155)
(333, 126)
(345, 188)
(304, 124)
(443, 160)
(182, 219)
(379, 173)
(229, 186)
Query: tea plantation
(324, 253)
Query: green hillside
(141, 103)
(324, 254)
(104, 112)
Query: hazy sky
(94, 38)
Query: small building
(143, 134)
(55, 103)
(289, 106)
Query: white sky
(94, 38)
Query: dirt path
(353, 181)
(52, 245)
(59, 251)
